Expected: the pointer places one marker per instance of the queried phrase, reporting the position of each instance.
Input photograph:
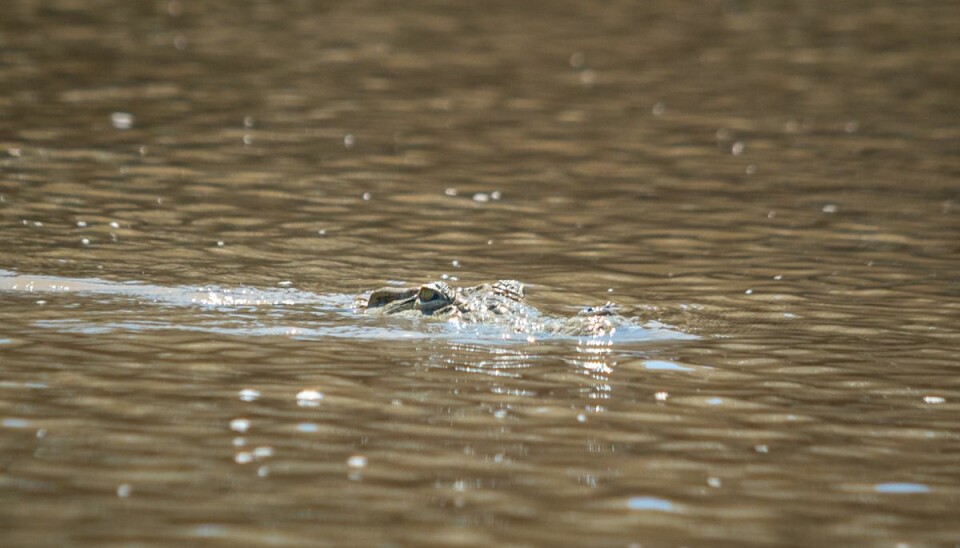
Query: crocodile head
(428, 299)
(499, 303)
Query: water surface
(776, 182)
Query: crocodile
(501, 303)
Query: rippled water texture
(191, 193)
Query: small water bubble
(309, 398)
(481, 197)
(349, 140)
(831, 208)
(249, 394)
(748, 292)
(239, 441)
(85, 241)
(761, 448)
(263, 452)
(221, 243)
(248, 121)
(240, 425)
(450, 192)
(41, 302)
(38, 224)
(489, 242)
(15, 152)
(307, 427)
(357, 461)
(247, 139)
(495, 195)
(455, 263)
(577, 59)
(737, 148)
(114, 224)
(124, 490)
(42, 433)
(143, 150)
(121, 120)
(581, 418)
(661, 396)
(778, 277)
(444, 276)
(243, 457)
(714, 482)
(263, 471)
(750, 169)
(367, 196)
(500, 414)
(531, 339)
(934, 400)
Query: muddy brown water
(191, 194)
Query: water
(213, 183)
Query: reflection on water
(650, 503)
(901, 488)
(497, 361)
(770, 188)
(662, 365)
(596, 361)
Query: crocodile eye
(427, 294)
